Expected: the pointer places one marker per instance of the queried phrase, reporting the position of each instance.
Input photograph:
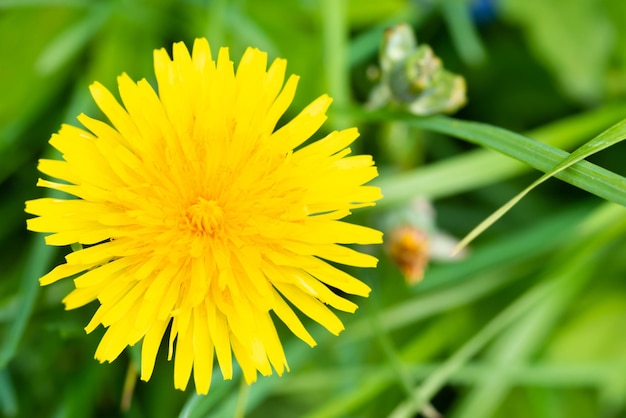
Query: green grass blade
(462, 30)
(516, 310)
(8, 399)
(335, 33)
(483, 167)
(523, 339)
(438, 378)
(10, 4)
(489, 269)
(71, 41)
(582, 174)
(251, 32)
(37, 262)
(611, 136)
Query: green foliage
(576, 40)
(528, 324)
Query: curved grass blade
(611, 136)
(544, 157)
(551, 160)
(482, 167)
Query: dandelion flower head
(196, 214)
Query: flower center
(204, 217)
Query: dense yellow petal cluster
(195, 212)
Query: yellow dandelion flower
(195, 211)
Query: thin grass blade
(611, 136)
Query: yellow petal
(150, 348)
(202, 350)
(289, 318)
(300, 128)
(62, 271)
(311, 307)
(183, 361)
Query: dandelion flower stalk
(198, 215)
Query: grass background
(530, 324)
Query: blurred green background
(531, 323)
